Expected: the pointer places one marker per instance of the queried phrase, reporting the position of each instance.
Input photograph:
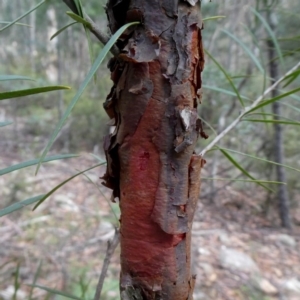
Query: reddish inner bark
(152, 167)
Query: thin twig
(94, 28)
(248, 108)
(111, 247)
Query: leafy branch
(247, 109)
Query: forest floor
(238, 252)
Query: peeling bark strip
(152, 167)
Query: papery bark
(152, 167)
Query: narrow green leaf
(16, 282)
(295, 97)
(14, 77)
(217, 89)
(83, 86)
(27, 92)
(61, 30)
(267, 102)
(90, 46)
(33, 162)
(243, 180)
(16, 206)
(238, 166)
(63, 183)
(247, 50)
(291, 38)
(227, 77)
(210, 126)
(2, 124)
(55, 292)
(260, 159)
(79, 7)
(97, 157)
(291, 106)
(272, 121)
(35, 278)
(103, 195)
(271, 33)
(78, 19)
(17, 23)
(265, 115)
(24, 15)
(213, 18)
(292, 77)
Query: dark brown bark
(282, 193)
(152, 167)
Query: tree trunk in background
(282, 193)
(152, 167)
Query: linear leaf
(227, 77)
(63, 183)
(79, 7)
(272, 121)
(24, 15)
(78, 19)
(53, 291)
(33, 162)
(210, 126)
(16, 206)
(291, 106)
(291, 38)
(14, 77)
(243, 180)
(17, 23)
(238, 166)
(16, 282)
(90, 46)
(62, 29)
(83, 86)
(35, 278)
(292, 77)
(33, 91)
(267, 102)
(103, 195)
(247, 50)
(2, 124)
(271, 33)
(217, 89)
(97, 157)
(213, 18)
(260, 159)
(265, 115)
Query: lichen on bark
(152, 167)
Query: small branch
(98, 33)
(254, 104)
(111, 247)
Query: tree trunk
(282, 193)
(152, 167)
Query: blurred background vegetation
(28, 51)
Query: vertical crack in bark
(152, 167)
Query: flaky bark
(152, 167)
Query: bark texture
(151, 166)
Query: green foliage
(24, 15)
(83, 86)
(61, 30)
(55, 292)
(27, 92)
(14, 77)
(227, 77)
(63, 183)
(33, 162)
